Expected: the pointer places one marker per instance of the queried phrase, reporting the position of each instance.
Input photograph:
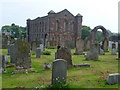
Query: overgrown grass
(77, 77)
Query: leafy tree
(16, 30)
(85, 31)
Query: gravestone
(101, 52)
(59, 71)
(3, 65)
(38, 52)
(113, 79)
(23, 58)
(113, 46)
(79, 46)
(64, 53)
(6, 59)
(41, 47)
(8, 49)
(13, 54)
(114, 51)
(93, 53)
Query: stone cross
(59, 71)
(38, 52)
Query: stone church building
(61, 28)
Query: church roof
(79, 14)
(51, 12)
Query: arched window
(57, 25)
(65, 25)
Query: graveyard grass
(77, 77)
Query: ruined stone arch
(105, 35)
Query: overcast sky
(95, 12)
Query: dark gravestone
(113, 79)
(113, 46)
(93, 53)
(58, 47)
(3, 65)
(59, 71)
(64, 53)
(114, 51)
(23, 54)
(38, 50)
(13, 54)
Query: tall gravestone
(93, 53)
(41, 47)
(23, 54)
(59, 71)
(79, 46)
(38, 52)
(13, 53)
(64, 53)
(2, 64)
(114, 51)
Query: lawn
(77, 77)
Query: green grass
(77, 77)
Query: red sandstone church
(55, 29)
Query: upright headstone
(3, 65)
(79, 46)
(59, 71)
(8, 49)
(6, 59)
(41, 47)
(38, 52)
(113, 79)
(101, 52)
(23, 54)
(64, 53)
(93, 53)
(114, 51)
(13, 54)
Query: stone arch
(105, 34)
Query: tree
(16, 30)
(85, 31)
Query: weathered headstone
(38, 51)
(41, 47)
(101, 52)
(8, 49)
(113, 79)
(23, 58)
(13, 54)
(93, 53)
(79, 46)
(64, 53)
(114, 51)
(113, 46)
(6, 59)
(59, 71)
(3, 65)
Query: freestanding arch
(93, 53)
(105, 34)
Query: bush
(52, 47)
(46, 53)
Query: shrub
(46, 53)
(52, 47)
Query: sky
(94, 12)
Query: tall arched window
(57, 25)
(65, 25)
